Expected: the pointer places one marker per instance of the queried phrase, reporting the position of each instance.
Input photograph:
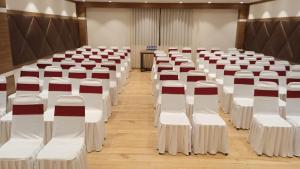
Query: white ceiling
(175, 1)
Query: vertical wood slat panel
(5, 53)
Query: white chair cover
(89, 65)
(76, 75)
(293, 114)
(57, 58)
(91, 91)
(174, 130)
(66, 150)
(269, 134)
(66, 65)
(27, 133)
(227, 90)
(42, 64)
(241, 107)
(184, 69)
(209, 133)
(3, 95)
(187, 52)
(49, 73)
(102, 73)
(112, 81)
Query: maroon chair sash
(88, 67)
(266, 67)
(159, 69)
(212, 61)
(252, 62)
(115, 50)
(96, 60)
(281, 73)
(110, 53)
(86, 56)
(220, 66)
(196, 78)
(244, 81)
(290, 80)
(173, 58)
(60, 87)
(206, 57)
(33, 109)
(77, 75)
(201, 55)
(57, 59)
(177, 63)
(168, 77)
(29, 74)
(172, 90)
(69, 111)
(229, 72)
(266, 93)
(102, 50)
(122, 57)
(256, 73)
(88, 49)
(128, 50)
(100, 75)
(232, 61)
(52, 74)
(68, 55)
(27, 87)
(272, 62)
(104, 56)
(200, 50)
(77, 60)
(186, 51)
(206, 91)
(78, 51)
(172, 50)
(244, 67)
(288, 68)
(110, 67)
(241, 58)
(66, 66)
(186, 69)
(90, 89)
(269, 80)
(43, 65)
(259, 58)
(293, 94)
(218, 54)
(94, 52)
(2, 87)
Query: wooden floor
(131, 139)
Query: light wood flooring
(131, 139)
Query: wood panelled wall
(35, 36)
(278, 37)
(5, 54)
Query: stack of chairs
(86, 77)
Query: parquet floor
(131, 139)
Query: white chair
(78, 58)
(76, 75)
(27, 71)
(70, 53)
(159, 69)
(165, 75)
(79, 50)
(241, 107)
(173, 48)
(174, 130)
(102, 48)
(27, 134)
(187, 52)
(192, 77)
(42, 64)
(184, 69)
(112, 81)
(255, 69)
(57, 87)
(295, 68)
(243, 64)
(227, 89)
(57, 58)
(292, 77)
(91, 91)
(212, 71)
(89, 65)
(281, 71)
(3, 96)
(66, 65)
(220, 70)
(119, 75)
(102, 73)
(66, 149)
(96, 58)
(200, 49)
(293, 113)
(95, 51)
(86, 54)
(209, 134)
(49, 73)
(269, 133)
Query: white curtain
(176, 27)
(145, 31)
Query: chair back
(173, 97)
(91, 91)
(28, 85)
(243, 84)
(27, 117)
(49, 73)
(293, 99)
(58, 87)
(69, 117)
(3, 94)
(193, 76)
(229, 72)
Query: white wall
(277, 8)
(56, 7)
(109, 26)
(214, 28)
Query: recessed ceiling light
(109, 1)
(209, 2)
(180, 2)
(146, 1)
(241, 2)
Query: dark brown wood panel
(35, 36)
(278, 37)
(2, 3)
(83, 32)
(241, 26)
(5, 54)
